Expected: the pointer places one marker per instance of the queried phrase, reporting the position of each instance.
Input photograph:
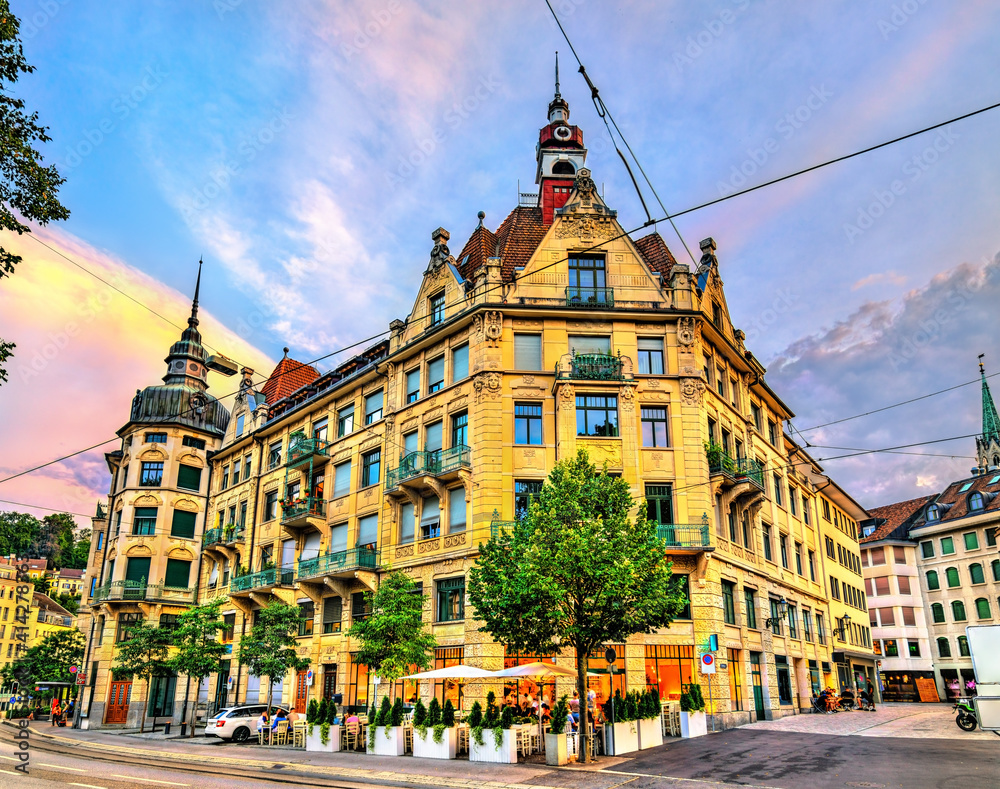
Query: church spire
(991, 422)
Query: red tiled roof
(288, 376)
(518, 237)
(955, 501)
(69, 572)
(482, 244)
(655, 252)
(894, 515)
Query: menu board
(927, 689)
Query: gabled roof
(894, 516)
(514, 243)
(482, 244)
(69, 572)
(655, 252)
(288, 376)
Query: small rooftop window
(965, 487)
(995, 480)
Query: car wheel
(242, 734)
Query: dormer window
(933, 513)
(976, 502)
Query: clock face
(562, 133)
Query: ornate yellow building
(553, 333)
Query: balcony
(137, 591)
(592, 367)
(341, 564)
(590, 298)
(302, 512)
(736, 469)
(262, 581)
(685, 536)
(305, 450)
(499, 528)
(223, 535)
(435, 463)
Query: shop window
(670, 669)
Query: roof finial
(557, 74)
(193, 320)
(982, 370)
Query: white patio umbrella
(539, 670)
(459, 671)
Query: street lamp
(845, 621)
(782, 613)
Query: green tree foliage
(28, 189)
(577, 570)
(199, 650)
(270, 649)
(18, 532)
(448, 714)
(68, 601)
(47, 661)
(142, 655)
(392, 639)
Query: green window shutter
(189, 477)
(137, 569)
(183, 525)
(178, 574)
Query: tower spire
(558, 95)
(991, 422)
(193, 320)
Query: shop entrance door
(784, 680)
(758, 689)
(301, 692)
(118, 700)
(329, 680)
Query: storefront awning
(845, 655)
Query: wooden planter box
(488, 751)
(426, 748)
(390, 744)
(556, 750)
(624, 738)
(650, 733)
(314, 743)
(694, 724)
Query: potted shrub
(556, 751)
(322, 735)
(433, 737)
(650, 731)
(385, 732)
(621, 713)
(490, 736)
(693, 719)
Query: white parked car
(240, 723)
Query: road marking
(89, 786)
(147, 780)
(10, 758)
(59, 767)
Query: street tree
(47, 661)
(28, 188)
(392, 640)
(575, 572)
(142, 655)
(18, 532)
(199, 650)
(270, 649)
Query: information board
(927, 689)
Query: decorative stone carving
(453, 540)
(404, 551)
(493, 327)
(586, 228)
(567, 397)
(628, 398)
(440, 252)
(487, 386)
(688, 331)
(692, 391)
(584, 185)
(428, 546)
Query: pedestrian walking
(871, 694)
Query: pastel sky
(308, 150)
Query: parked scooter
(966, 718)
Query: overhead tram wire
(605, 114)
(628, 233)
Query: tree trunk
(583, 728)
(142, 720)
(194, 710)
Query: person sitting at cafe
(279, 716)
(545, 713)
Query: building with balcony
(146, 547)
(555, 332)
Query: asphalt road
(810, 761)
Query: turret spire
(558, 95)
(193, 320)
(991, 422)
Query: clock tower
(560, 154)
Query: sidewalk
(920, 721)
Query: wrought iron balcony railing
(140, 590)
(340, 562)
(223, 534)
(591, 298)
(299, 508)
(594, 367)
(275, 576)
(433, 463)
(719, 462)
(684, 535)
(305, 448)
(499, 528)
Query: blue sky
(308, 150)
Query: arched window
(944, 648)
(976, 502)
(953, 579)
(995, 565)
(983, 608)
(976, 573)
(937, 611)
(933, 513)
(963, 647)
(932, 579)
(563, 168)
(958, 610)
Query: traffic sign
(229, 683)
(610, 655)
(81, 679)
(309, 677)
(708, 663)
(72, 669)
